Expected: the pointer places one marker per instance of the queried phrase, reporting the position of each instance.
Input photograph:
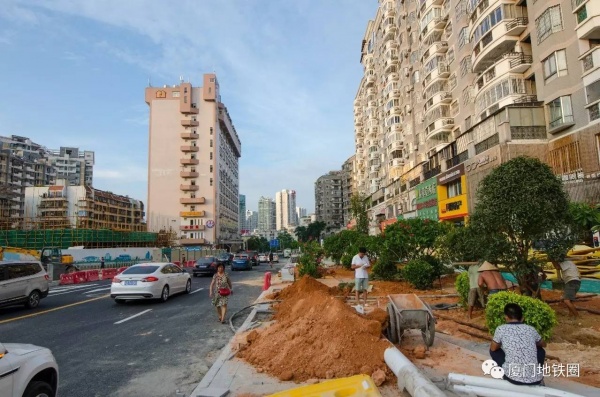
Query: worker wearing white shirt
(360, 264)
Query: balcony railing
(487, 143)
(521, 21)
(520, 60)
(432, 172)
(561, 121)
(594, 112)
(528, 132)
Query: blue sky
(74, 72)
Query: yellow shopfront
(452, 195)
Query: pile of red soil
(316, 336)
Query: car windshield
(140, 270)
(224, 256)
(208, 259)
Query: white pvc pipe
(499, 384)
(485, 392)
(409, 376)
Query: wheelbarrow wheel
(392, 330)
(429, 332)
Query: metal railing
(521, 21)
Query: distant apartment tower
(242, 213)
(251, 221)
(300, 213)
(23, 164)
(73, 165)
(285, 209)
(348, 188)
(193, 170)
(266, 214)
(453, 88)
(329, 200)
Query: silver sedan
(150, 281)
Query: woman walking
(219, 290)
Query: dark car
(224, 258)
(253, 257)
(241, 262)
(205, 266)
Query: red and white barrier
(108, 274)
(66, 279)
(79, 277)
(92, 275)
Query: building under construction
(66, 216)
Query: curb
(203, 388)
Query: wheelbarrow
(407, 311)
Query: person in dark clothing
(271, 259)
(102, 263)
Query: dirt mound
(316, 336)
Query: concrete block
(211, 392)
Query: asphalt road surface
(137, 349)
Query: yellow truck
(47, 255)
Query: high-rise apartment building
(453, 88)
(329, 200)
(242, 213)
(300, 213)
(73, 165)
(251, 221)
(193, 176)
(348, 188)
(285, 209)
(266, 214)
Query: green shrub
(536, 313)
(347, 261)
(308, 262)
(462, 288)
(419, 273)
(385, 267)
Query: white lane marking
(96, 290)
(71, 288)
(134, 316)
(198, 290)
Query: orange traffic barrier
(67, 279)
(267, 283)
(108, 274)
(92, 275)
(189, 264)
(79, 277)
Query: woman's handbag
(224, 291)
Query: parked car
(224, 258)
(23, 282)
(206, 266)
(150, 281)
(241, 262)
(275, 258)
(27, 371)
(263, 258)
(253, 257)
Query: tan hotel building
(453, 88)
(193, 171)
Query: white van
(23, 282)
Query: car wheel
(164, 295)
(188, 287)
(38, 389)
(33, 300)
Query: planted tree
(586, 218)
(519, 203)
(358, 209)
(310, 259)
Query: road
(138, 349)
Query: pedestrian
(360, 264)
(490, 276)
(518, 348)
(533, 281)
(102, 263)
(475, 293)
(219, 290)
(183, 261)
(271, 259)
(568, 272)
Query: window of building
(415, 78)
(466, 95)
(211, 168)
(192, 208)
(193, 156)
(454, 189)
(175, 94)
(185, 99)
(211, 155)
(212, 79)
(549, 22)
(465, 65)
(560, 111)
(463, 37)
(488, 23)
(566, 159)
(450, 55)
(209, 90)
(555, 64)
(454, 108)
(211, 143)
(211, 130)
(452, 81)
(582, 14)
(211, 181)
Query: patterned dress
(220, 282)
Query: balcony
(373, 155)
(389, 31)
(189, 123)
(396, 162)
(439, 98)
(425, 4)
(393, 77)
(497, 41)
(432, 172)
(193, 109)
(189, 161)
(185, 174)
(436, 48)
(442, 71)
(192, 241)
(189, 135)
(589, 28)
(395, 146)
(513, 62)
(191, 228)
(189, 148)
(195, 200)
(440, 127)
(192, 214)
(189, 188)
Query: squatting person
(568, 272)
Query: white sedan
(150, 281)
(27, 370)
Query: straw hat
(487, 266)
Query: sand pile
(316, 336)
